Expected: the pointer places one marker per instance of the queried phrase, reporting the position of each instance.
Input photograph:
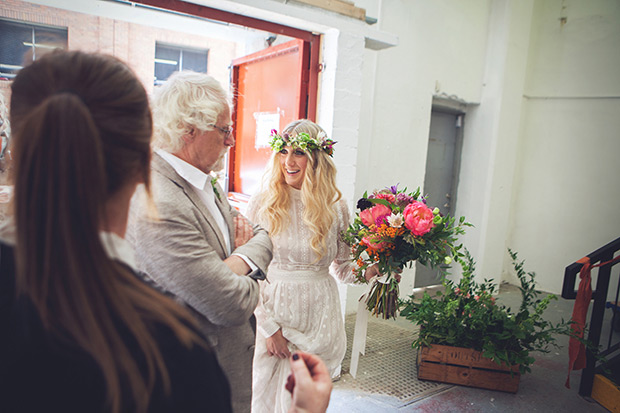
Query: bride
(304, 212)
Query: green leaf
(381, 201)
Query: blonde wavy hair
(319, 192)
(187, 100)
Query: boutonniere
(215, 191)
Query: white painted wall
(441, 51)
(491, 137)
(539, 162)
(566, 193)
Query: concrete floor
(386, 375)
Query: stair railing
(599, 296)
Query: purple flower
(363, 204)
(394, 189)
(402, 200)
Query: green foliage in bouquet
(466, 315)
(392, 229)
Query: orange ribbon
(576, 348)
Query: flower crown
(303, 141)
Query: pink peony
(375, 215)
(366, 217)
(418, 218)
(374, 242)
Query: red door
(271, 90)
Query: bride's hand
(243, 230)
(374, 270)
(277, 345)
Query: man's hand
(309, 383)
(243, 230)
(277, 345)
(237, 265)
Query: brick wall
(132, 43)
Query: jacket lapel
(224, 208)
(161, 166)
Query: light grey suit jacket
(183, 252)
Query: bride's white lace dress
(301, 298)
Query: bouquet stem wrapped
(392, 230)
(383, 299)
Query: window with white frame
(169, 59)
(22, 42)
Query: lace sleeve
(342, 266)
(264, 322)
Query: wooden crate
(607, 393)
(466, 367)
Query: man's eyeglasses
(227, 131)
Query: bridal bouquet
(392, 229)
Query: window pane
(169, 59)
(47, 39)
(12, 47)
(166, 62)
(17, 48)
(194, 60)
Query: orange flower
(385, 231)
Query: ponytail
(60, 162)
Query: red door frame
(300, 110)
(311, 40)
(275, 50)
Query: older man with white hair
(198, 247)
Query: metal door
(441, 175)
(271, 90)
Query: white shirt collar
(118, 249)
(7, 231)
(189, 172)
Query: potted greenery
(476, 341)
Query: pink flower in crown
(375, 215)
(418, 218)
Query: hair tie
(69, 92)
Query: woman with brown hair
(80, 331)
